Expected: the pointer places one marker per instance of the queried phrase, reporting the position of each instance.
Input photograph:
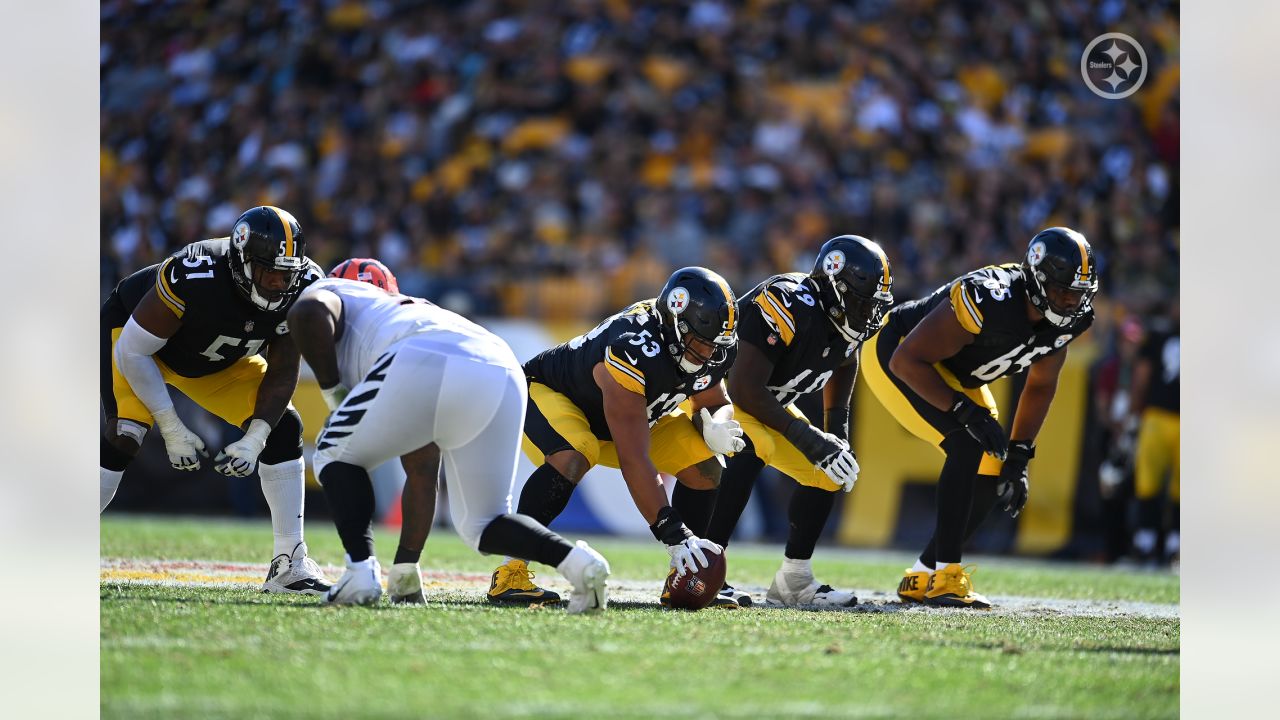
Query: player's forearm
(133, 355)
(277, 388)
(758, 402)
(923, 379)
(645, 485)
(1033, 408)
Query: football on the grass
(696, 590)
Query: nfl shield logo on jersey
(248, 326)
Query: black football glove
(815, 445)
(977, 421)
(1013, 485)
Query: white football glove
(334, 396)
(183, 447)
(842, 468)
(724, 437)
(687, 556)
(241, 457)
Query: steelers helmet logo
(834, 262)
(1035, 253)
(701, 383)
(678, 300)
(1062, 340)
(240, 236)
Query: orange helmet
(366, 270)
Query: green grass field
(1103, 643)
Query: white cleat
(587, 570)
(295, 573)
(789, 590)
(404, 584)
(361, 584)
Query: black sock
(955, 495)
(984, 500)
(545, 495)
(807, 513)
(736, 483)
(113, 458)
(406, 555)
(350, 495)
(695, 507)
(523, 537)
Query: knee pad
(285, 441)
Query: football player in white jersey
(404, 377)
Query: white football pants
(418, 393)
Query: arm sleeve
(133, 356)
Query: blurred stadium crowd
(556, 159)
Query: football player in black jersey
(800, 334)
(930, 364)
(1154, 407)
(612, 397)
(198, 321)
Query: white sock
(1145, 540)
(282, 485)
(797, 567)
(939, 567)
(921, 567)
(108, 481)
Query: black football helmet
(267, 238)
(1060, 259)
(854, 284)
(696, 302)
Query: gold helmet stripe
(288, 231)
(1084, 253)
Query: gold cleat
(953, 588)
(915, 583)
(512, 585)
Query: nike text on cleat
(361, 584)
(914, 585)
(512, 584)
(295, 573)
(790, 590)
(588, 571)
(404, 584)
(952, 587)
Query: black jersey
(1163, 348)
(629, 345)
(991, 303)
(219, 326)
(781, 317)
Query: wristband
(669, 528)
